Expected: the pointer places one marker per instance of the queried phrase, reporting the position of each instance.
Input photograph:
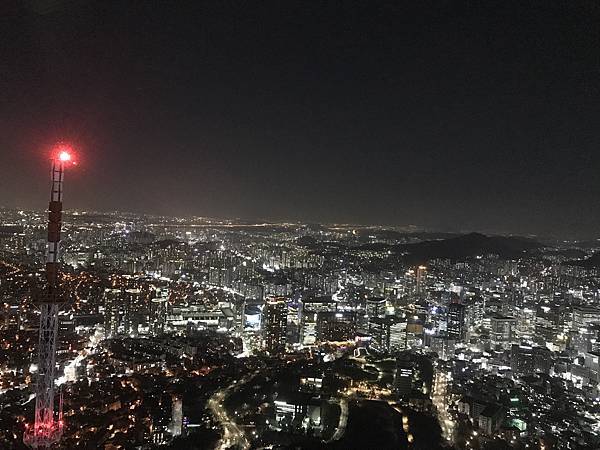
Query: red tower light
(63, 153)
(64, 156)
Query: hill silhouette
(468, 245)
(593, 262)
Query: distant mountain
(468, 245)
(593, 262)
(570, 253)
(593, 243)
(403, 235)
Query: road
(70, 371)
(233, 435)
(341, 428)
(440, 402)
(15, 269)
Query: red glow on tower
(64, 156)
(63, 153)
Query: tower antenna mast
(47, 428)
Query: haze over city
(449, 116)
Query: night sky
(448, 115)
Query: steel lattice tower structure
(48, 428)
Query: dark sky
(454, 115)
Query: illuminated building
(298, 412)
(308, 312)
(122, 312)
(252, 317)
(490, 419)
(389, 333)
(158, 316)
(336, 326)
(177, 416)
(199, 317)
(421, 279)
(526, 321)
(522, 359)
(526, 360)
(375, 307)
(502, 330)
(311, 384)
(456, 322)
(275, 325)
(405, 375)
(443, 346)
(585, 315)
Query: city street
(440, 390)
(233, 435)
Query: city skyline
(299, 225)
(400, 228)
(202, 334)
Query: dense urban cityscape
(204, 333)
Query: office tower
(421, 279)
(526, 360)
(275, 325)
(456, 322)
(585, 315)
(502, 330)
(379, 329)
(375, 307)
(177, 416)
(389, 333)
(336, 326)
(443, 346)
(542, 359)
(158, 316)
(308, 310)
(526, 321)
(405, 373)
(521, 359)
(121, 312)
(111, 312)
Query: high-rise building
(158, 316)
(275, 325)
(389, 333)
(375, 307)
(527, 360)
(421, 279)
(177, 416)
(111, 311)
(336, 326)
(443, 346)
(456, 322)
(398, 335)
(502, 330)
(542, 359)
(526, 321)
(584, 315)
(521, 359)
(405, 374)
(121, 315)
(308, 311)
